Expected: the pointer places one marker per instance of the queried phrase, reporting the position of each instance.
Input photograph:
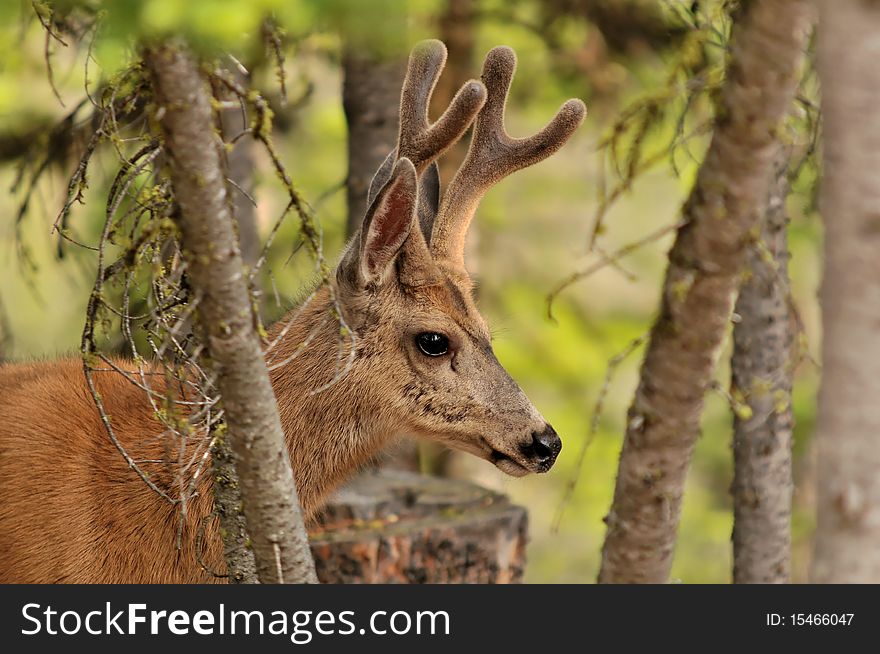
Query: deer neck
(332, 432)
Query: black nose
(544, 448)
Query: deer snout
(543, 449)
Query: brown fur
(70, 508)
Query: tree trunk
(761, 367)
(457, 32)
(240, 168)
(371, 100)
(848, 432)
(768, 41)
(271, 507)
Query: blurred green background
(532, 230)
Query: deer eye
(432, 344)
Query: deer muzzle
(543, 449)
(535, 455)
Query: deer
(72, 510)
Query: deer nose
(544, 448)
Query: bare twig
(598, 409)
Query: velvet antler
(420, 141)
(493, 155)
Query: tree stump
(390, 526)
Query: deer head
(403, 283)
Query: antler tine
(419, 141)
(493, 154)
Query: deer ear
(380, 179)
(389, 221)
(429, 191)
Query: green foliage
(213, 27)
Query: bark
(761, 367)
(371, 100)
(769, 39)
(848, 432)
(241, 567)
(215, 270)
(397, 527)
